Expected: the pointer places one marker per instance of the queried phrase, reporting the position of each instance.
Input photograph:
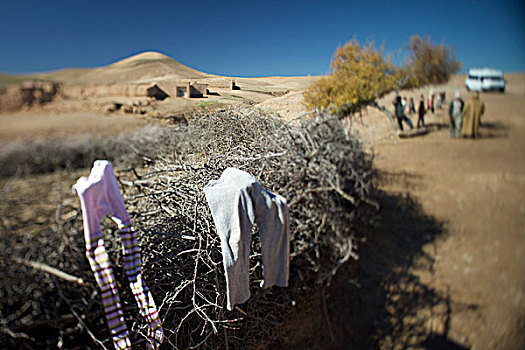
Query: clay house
(192, 90)
(156, 92)
(233, 86)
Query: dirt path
(445, 266)
(476, 189)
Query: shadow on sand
(486, 129)
(385, 305)
(394, 308)
(493, 130)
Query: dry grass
(79, 151)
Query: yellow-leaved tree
(359, 76)
(430, 63)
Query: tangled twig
(315, 163)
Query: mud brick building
(192, 90)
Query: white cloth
(237, 201)
(100, 195)
(456, 108)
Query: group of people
(464, 119)
(401, 104)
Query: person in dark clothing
(421, 112)
(400, 114)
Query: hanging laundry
(99, 196)
(237, 201)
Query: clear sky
(251, 38)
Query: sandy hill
(9, 79)
(154, 67)
(141, 68)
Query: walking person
(411, 106)
(455, 113)
(400, 115)
(430, 101)
(421, 112)
(472, 113)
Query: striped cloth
(99, 196)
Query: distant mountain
(141, 68)
(8, 79)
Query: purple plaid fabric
(100, 195)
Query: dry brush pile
(77, 152)
(315, 163)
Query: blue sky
(252, 38)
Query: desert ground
(445, 266)
(447, 259)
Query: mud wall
(14, 97)
(116, 90)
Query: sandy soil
(476, 189)
(35, 125)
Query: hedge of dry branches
(315, 163)
(77, 152)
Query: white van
(485, 79)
